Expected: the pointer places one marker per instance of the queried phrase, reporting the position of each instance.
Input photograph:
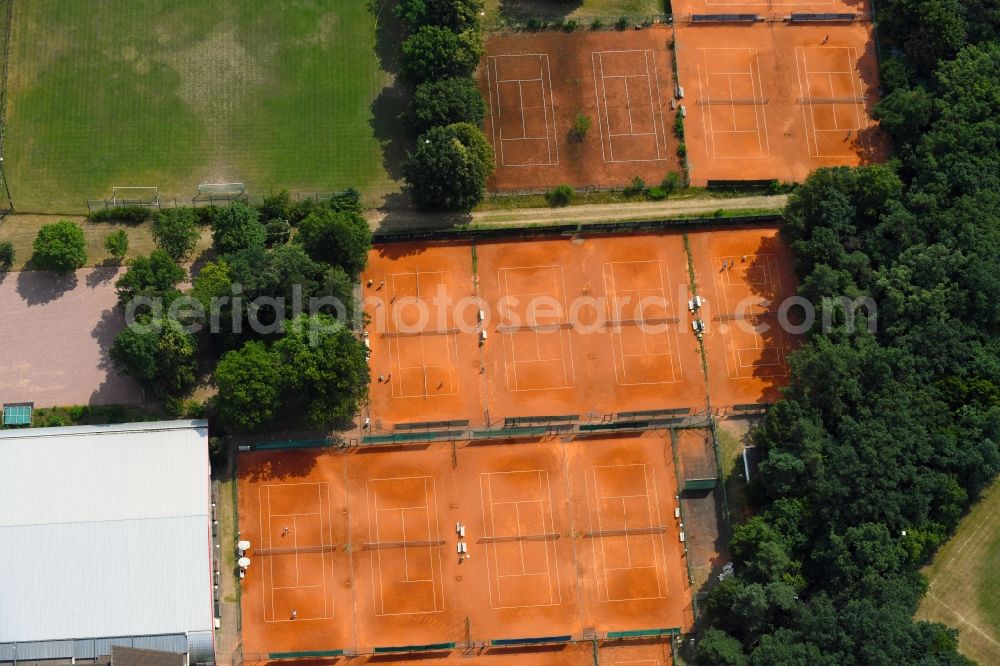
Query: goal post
(212, 193)
(136, 195)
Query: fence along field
(180, 92)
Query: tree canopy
(237, 227)
(884, 437)
(433, 52)
(153, 277)
(445, 102)
(157, 353)
(448, 168)
(176, 231)
(59, 247)
(339, 238)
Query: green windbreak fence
(410, 437)
(293, 444)
(433, 647)
(643, 633)
(511, 433)
(700, 484)
(538, 640)
(305, 654)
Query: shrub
(671, 182)
(570, 25)
(560, 196)
(621, 23)
(534, 25)
(129, 214)
(59, 247)
(637, 186)
(581, 125)
(278, 231)
(155, 277)
(656, 193)
(596, 24)
(6, 256)
(276, 206)
(679, 126)
(682, 150)
(117, 244)
(558, 23)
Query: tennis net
(832, 100)
(652, 321)
(516, 328)
(544, 536)
(742, 316)
(294, 550)
(380, 545)
(733, 101)
(409, 334)
(627, 531)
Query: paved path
(585, 214)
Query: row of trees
(448, 168)
(882, 439)
(276, 315)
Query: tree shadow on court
(772, 371)
(102, 274)
(40, 287)
(280, 464)
(872, 145)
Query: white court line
(757, 90)
(510, 370)
(604, 563)
(490, 531)
(614, 295)
(548, 107)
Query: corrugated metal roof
(104, 531)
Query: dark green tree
(325, 368)
(237, 227)
(445, 102)
(250, 387)
(158, 354)
(176, 232)
(59, 247)
(433, 53)
(6, 256)
(448, 168)
(339, 238)
(154, 277)
(457, 15)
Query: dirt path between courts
(584, 214)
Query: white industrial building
(105, 539)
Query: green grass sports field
(965, 581)
(176, 92)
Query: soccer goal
(220, 193)
(135, 195)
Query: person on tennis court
(285, 531)
(295, 614)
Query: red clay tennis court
(359, 550)
(535, 85)
(776, 100)
(423, 367)
(588, 322)
(683, 9)
(744, 275)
